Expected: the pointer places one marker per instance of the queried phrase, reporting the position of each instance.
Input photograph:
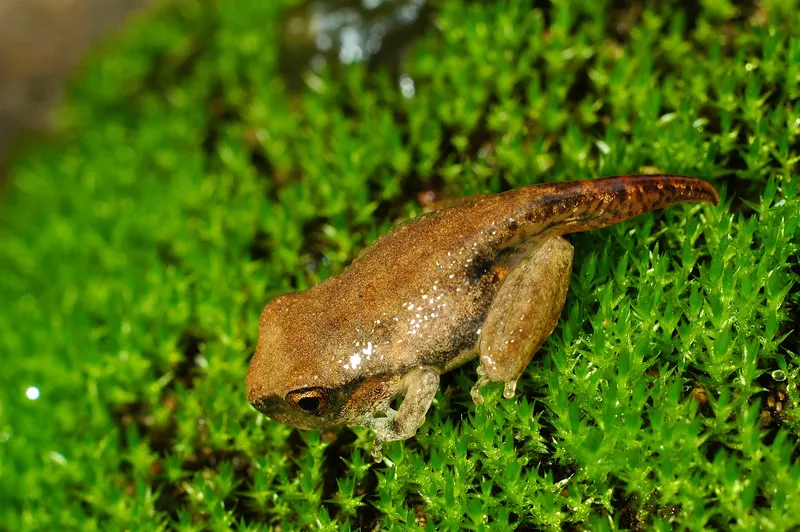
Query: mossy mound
(190, 186)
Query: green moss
(190, 186)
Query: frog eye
(309, 400)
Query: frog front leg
(419, 388)
(523, 313)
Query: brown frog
(487, 277)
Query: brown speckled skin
(418, 296)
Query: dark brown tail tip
(712, 196)
(695, 189)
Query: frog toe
(510, 389)
(475, 392)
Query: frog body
(486, 278)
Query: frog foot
(509, 389)
(482, 381)
(384, 431)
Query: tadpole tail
(592, 204)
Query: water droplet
(407, 86)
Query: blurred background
(41, 42)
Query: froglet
(485, 278)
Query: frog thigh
(523, 313)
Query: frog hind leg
(419, 388)
(523, 313)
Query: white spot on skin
(32, 393)
(355, 361)
(367, 350)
